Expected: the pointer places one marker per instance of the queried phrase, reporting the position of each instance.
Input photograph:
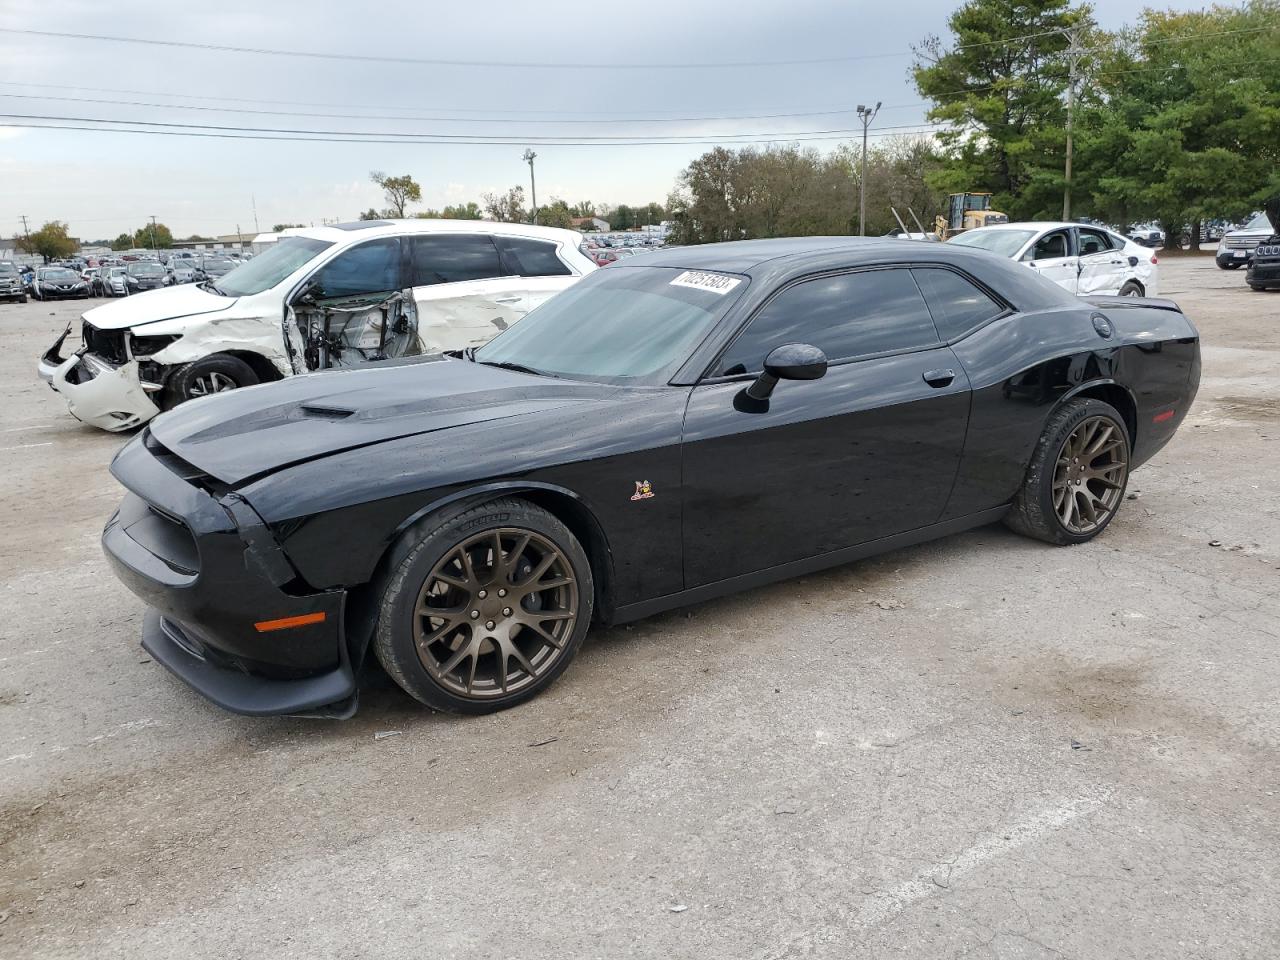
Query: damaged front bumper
(106, 395)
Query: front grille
(1238, 243)
(107, 344)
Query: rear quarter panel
(1022, 366)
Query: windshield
(58, 273)
(145, 269)
(1260, 222)
(267, 269)
(116, 272)
(8, 270)
(217, 265)
(629, 325)
(1003, 242)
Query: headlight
(146, 346)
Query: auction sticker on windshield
(700, 280)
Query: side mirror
(791, 361)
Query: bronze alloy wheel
(1090, 475)
(495, 613)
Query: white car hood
(168, 303)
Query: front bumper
(211, 573)
(102, 394)
(1226, 257)
(47, 293)
(1264, 273)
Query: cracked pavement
(979, 747)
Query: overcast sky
(104, 183)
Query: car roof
(771, 263)
(366, 229)
(1039, 225)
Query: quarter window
(846, 316)
(452, 258)
(956, 304)
(372, 267)
(531, 258)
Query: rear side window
(372, 267)
(452, 258)
(1094, 241)
(846, 316)
(531, 258)
(956, 303)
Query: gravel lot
(981, 747)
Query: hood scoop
(320, 412)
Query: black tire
(193, 379)
(394, 641)
(1257, 286)
(1229, 265)
(1131, 289)
(1033, 513)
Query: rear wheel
(487, 609)
(216, 373)
(1077, 475)
(1131, 289)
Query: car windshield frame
(1000, 249)
(58, 274)
(7, 269)
(595, 313)
(152, 269)
(271, 267)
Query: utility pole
(154, 248)
(26, 232)
(254, 200)
(866, 116)
(1074, 52)
(529, 157)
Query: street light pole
(866, 115)
(529, 157)
(154, 248)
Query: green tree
(277, 227)
(399, 191)
(463, 211)
(123, 242)
(50, 241)
(506, 207)
(584, 208)
(153, 236)
(622, 217)
(999, 85)
(1186, 124)
(371, 214)
(555, 214)
(196, 238)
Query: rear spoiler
(1158, 303)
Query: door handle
(939, 378)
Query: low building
(590, 224)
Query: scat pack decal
(644, 491)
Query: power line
(394, 137)
(356, 116)
(522, 64)
(195, 132)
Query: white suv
(1080, 258)
(315, 299)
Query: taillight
(1154, 259)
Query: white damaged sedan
(333, 297)
(1081, 258)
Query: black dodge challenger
(679, 426)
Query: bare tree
(506, 207)
(400, 191)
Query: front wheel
(216, 373)
(1077, 475)
(486, 609)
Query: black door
(868, 451)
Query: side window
(956, 304)
(846, 316)
(1093, 241)
(452, 258)
(1050, 246)
(531, 258)
(372, 267)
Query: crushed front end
(229, 614)
(102, 381)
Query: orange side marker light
(285, 623)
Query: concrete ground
(981, 747)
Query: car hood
(248, 433)
(167, 303)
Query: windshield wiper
(507, 365)
(212, 288)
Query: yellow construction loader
(967, 211)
